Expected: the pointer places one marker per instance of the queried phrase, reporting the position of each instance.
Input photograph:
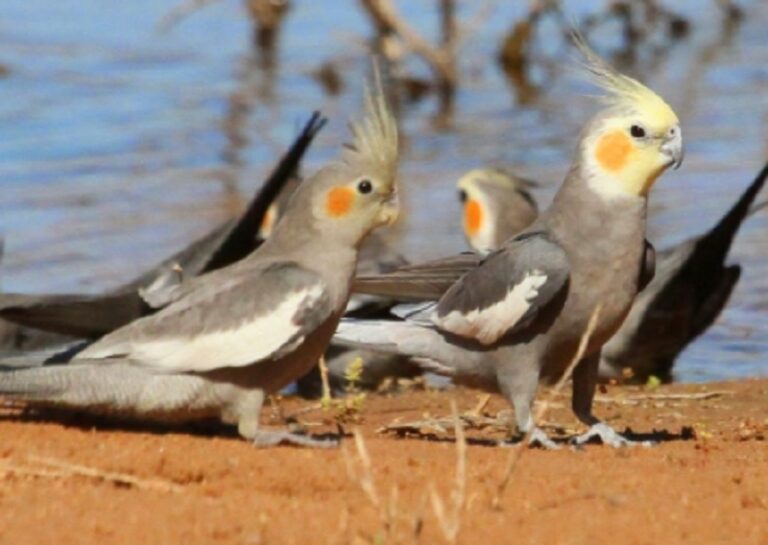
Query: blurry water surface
(119, 143)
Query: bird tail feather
(720, 237)
(426, 346)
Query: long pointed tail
(87, 316)
(426, 346)
(240, 241)
(717, 242)
(419, 282)
(73, 385)
(111, 388)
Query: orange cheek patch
(613, 150)
(338, 202)
(473, 217)
(268, 221)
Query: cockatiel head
(348, 198)
(630, 143)
(496, 204)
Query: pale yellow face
(629, 151)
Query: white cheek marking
(252, 341)
(489, 324)
(483, 242)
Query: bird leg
(245, 411)
(538, 438)
(519, 387)
(584, 383)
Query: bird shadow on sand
(87, 422)
(655, 437)
(84, 421)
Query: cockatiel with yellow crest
(692, 285)
(495, 203)
(517, 316)
(234, 335)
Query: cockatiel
(232, 336)
(517, 316)
(495, 204)
(91, 316)
(691, 287)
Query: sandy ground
(74, 480)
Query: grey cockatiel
(92, 316)
(691, 287)
(376, 257)
(496, 203)
(236, 334)
(518, 315)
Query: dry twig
(440, 59)
(450, 524)
(62, 469)
(326, 397)
(181, 12)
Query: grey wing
(165, 289)
(507, 291)
(225, 320)
(418, 282)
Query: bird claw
(537, 439)
(264, 438)
(607, 436)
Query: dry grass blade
(482, 403)
(681, 397)
(326, 397)
(450, 523)
(366, 479)
(640, 398)
(53, 468)
(517, 451)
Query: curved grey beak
(672, 147)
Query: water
(120, 143)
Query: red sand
(707, 483)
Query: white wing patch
(489, 324)
(252, 341)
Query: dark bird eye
(462, 196)
(637, 131)
(365, 186)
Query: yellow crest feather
(623, 91)
(375, 137)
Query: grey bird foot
(537, 439)
(269, 438)
(608, 436)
